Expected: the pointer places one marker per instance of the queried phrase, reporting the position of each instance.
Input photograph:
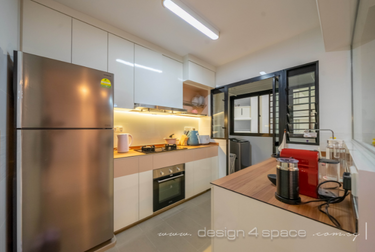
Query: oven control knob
(161, 173)
(178, 169)
(170, 171)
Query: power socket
(118, 129)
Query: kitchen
(198, 106)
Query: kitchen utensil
(201, 100)
(170, 140)
(287, 181)
(329, 169)
(183, 140)
(195, 101)
(336, 150)
(124, 142)
(204, 139)
(193, 137)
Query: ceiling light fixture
(262, 73)
(181, 10)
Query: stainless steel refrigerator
(64, 163)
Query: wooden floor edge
(159, 212)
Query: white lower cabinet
(202, 175)
(125, 201)
(214, 168)
(199, 174)
(145, 194)
(189, 179)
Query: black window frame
(281, 77)
(259, 93)
(296, 71)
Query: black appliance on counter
(152, 149)
(287, 181)
(168, 186)
(242, 150)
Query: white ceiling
(245, 25)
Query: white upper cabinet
(198, 74)
(171, 85)
(46, 32)
(148, 76)
(121, 63)
(89, 46)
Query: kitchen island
(245, 202)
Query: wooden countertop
(133, 153)
(253, 182)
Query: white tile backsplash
(152, 129)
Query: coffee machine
(308, 167)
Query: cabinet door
(121, 63)
(246, 112)
(89, 46)
(202, 175)
(237, 112)
(145, 194)
(201, 75)
(171, 85)
(125, 201)
(189, 179)
(46, 32)
(147, 76)
(214, 168)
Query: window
(250, 107)
(302, 104)
(363, 75)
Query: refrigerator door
(55, 94)
(64, 189)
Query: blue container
(193, 138)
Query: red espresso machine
(308, 169)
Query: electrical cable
(328, 201)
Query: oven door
(168, 190)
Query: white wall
(334, 76)
(9, 30)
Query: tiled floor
(188, 217)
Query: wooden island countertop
(253, 182)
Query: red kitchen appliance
(308, 169)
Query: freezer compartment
(64, 189)
(56, 94)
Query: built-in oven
(169, 185)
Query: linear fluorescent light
(137, 65)
(262, 73)
(149, 68)
(125, 62)
(192, 18)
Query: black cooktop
(152, 149)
